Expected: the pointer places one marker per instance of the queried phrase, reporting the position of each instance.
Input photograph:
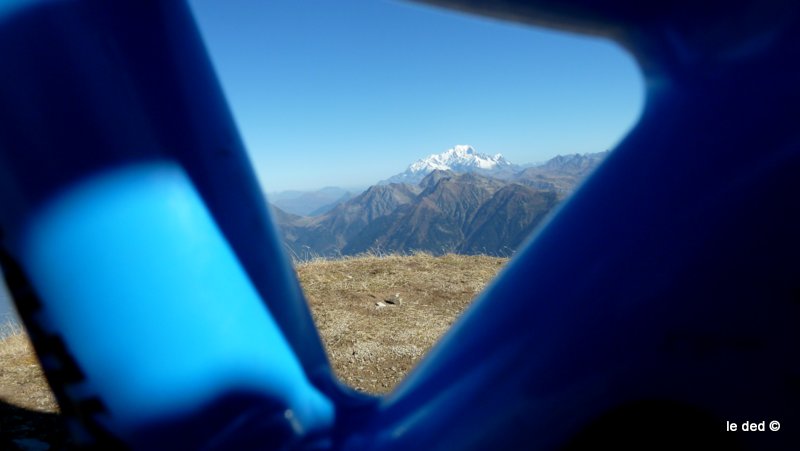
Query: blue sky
(349, 92)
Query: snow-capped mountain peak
(461, 158)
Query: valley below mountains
(460, 211)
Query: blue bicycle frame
(663, 298)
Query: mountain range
(458, 201)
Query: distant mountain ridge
(459, 159)
(310, 203)
(445, 211)
(560, 173)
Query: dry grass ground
(22, 382)
(377, 316)
(28, 410)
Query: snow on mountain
(459, 159)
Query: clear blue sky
(349, 92)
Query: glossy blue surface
(662, 299)
(153, 303)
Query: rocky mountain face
(328, 234)
(437, 219)
(504, 222)
(445, 211)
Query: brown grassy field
(28, 411)
(377, 316)
(22, 382)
